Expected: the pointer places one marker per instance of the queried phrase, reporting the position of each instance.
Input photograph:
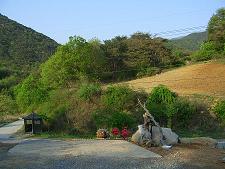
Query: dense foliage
(216, 29)
(161, 104)
(213, 48)
(219, 109)
(137, 55)
(30, 93)
(7, 105)
(72, 62)
(119, 98)
(88, 90)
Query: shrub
(111, 119)
(54, 110)
(87, 91)
(207, 51)
(120, 120)
(119, 97)
(101, 118)
(161, 104)
(185, 110)
(219, 109)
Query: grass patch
(218, 134)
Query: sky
(102, 19)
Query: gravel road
(8, 130)
(179, 157)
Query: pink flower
(124, 133)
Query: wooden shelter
(33, 123)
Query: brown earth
(202, 156)
(204, 78)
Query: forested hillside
(190, 42)
(21, 50)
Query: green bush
(30, 93)
(207, 51)
(87, 91)
(119, 98)
(120, 120)
(161, 104)
(54, 109)
(107, 118)
(185, 110)
(219, 109)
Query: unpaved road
(180, 157)
(8, 130)
(101, 154)
(81, 147)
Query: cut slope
(204, 78)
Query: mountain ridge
(190, 42)
(22, 50)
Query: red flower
(124, 133)
(115, 131)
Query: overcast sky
(104, 19)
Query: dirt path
(8, 130)
(194, 155)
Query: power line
(181, 30)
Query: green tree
(30, 93)
(216, 29)
(115, 50)
(73, 61)
(144, 51)
(207, 51)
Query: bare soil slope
(204, 78)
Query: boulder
(156, 136)
(141, 136)
(136, 138)
(170, 137)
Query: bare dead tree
(152, 119)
